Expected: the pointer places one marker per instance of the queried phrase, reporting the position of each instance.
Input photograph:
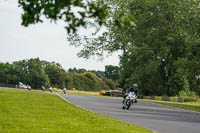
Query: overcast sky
(46, 41)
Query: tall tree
(166, 38)
(55, 72)
(112, 72)
(164, 41)
(8, 74)
(31, 72)
(36, 76)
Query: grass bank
(195, 106)
(23, 111)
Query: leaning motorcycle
(129, 100)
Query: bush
(111, 84)
(187, 93)
(103, 85)
(88, 82)
(69, 81)
(190, 99)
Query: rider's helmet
(134, 85)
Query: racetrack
(159, 118)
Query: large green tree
(56, 73)
(112, 72)
(31, 72)
(8, 74)
(164, 54)
(161, 52)
(36, 76)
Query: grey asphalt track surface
(159, 118)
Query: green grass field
(23, 111)
(195, 106)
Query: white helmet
(135, 85)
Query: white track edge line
(74, 104)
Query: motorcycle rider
(64, 90)
(132, 89)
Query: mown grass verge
(195, 106)
(32, 112)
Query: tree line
(38, 73)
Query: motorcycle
(129, 100)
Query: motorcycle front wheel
(127, 104)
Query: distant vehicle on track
(21, 85)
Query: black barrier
(152, 97)
(8, 85)
(115, 94)
(165, 98)
(180, 99)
